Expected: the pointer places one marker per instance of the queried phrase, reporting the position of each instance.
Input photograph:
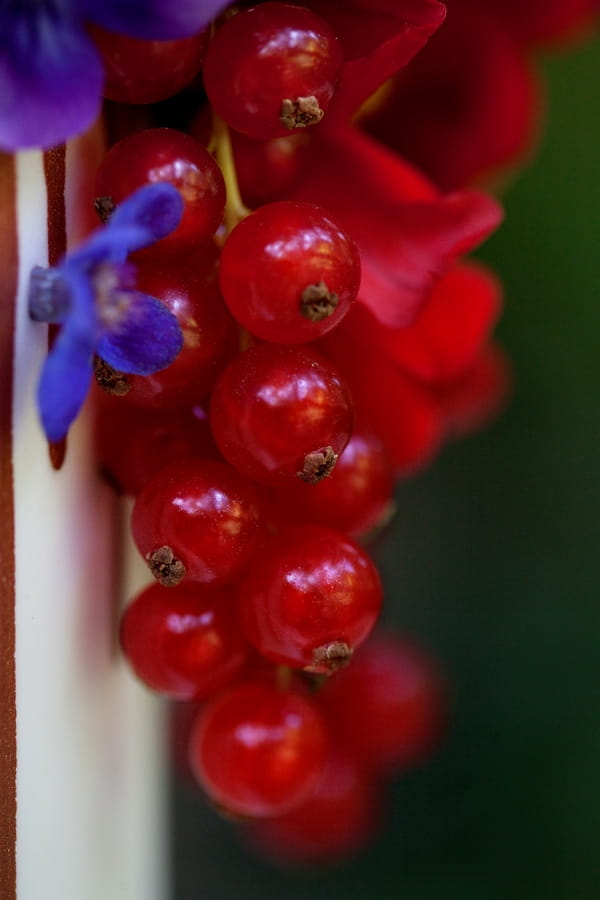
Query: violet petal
(156, 208)
(146, 339)
(64, 383)
(51, 78)
(109, 244)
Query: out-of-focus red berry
(388, 708)
(340, 817)
(355, 498)
(186, 643)
(138, 71)
(259, 751)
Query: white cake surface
(92, 814)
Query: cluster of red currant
(252, 479)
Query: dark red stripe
(55, 174)
(9, 267)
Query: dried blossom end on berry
(330, 657)
(105, 207)
(165, 567)
(318, 465)
(300, 113)
(110, 380)
(318, 302)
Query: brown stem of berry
(318, 464)
(300, 113)
(110, 380)
(166, 568)
(105, 207)
(331, 657)
(318, 302)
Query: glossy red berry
(339, 818)
(289, 273)
(259, 751)
(165, 154)
(271, 69)
(355, 498)
(388, 707)
(185, 643)
(138, 71)
(279, 413)
(197, 519)
(310, 598)
(210, 335)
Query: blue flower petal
(156, 208)
(67, 371)
(109, 244)
(82, 322)
(145, 340)
(64, 383)
(154, 19)
(50, 77)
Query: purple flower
(50, 71)
(92, 294)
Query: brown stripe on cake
(55, 176)
(9, 269)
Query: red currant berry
(199, 519)
(310, 598)
(164, 154)
(210, 334)
(133, 444)
(289, 273)
(186, 643)
(278, 413)
(271, 69)
(259, 751)
(355, 498)
(138, 71)
(387, 708)
(339, 818)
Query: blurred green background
(494, 564)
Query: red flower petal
(537, 21)
(472, 99)
(445, 340)
(378, 39)
(404, 414)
